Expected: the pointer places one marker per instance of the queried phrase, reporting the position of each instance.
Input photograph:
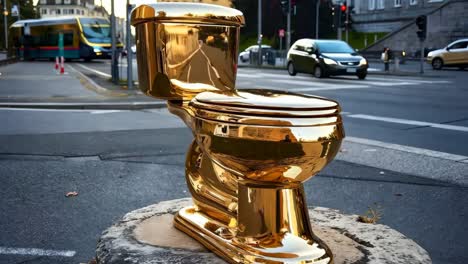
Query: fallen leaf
(382, 173)
(71, 194)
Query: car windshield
(334, 47)
(96, 29)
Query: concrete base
(147, 236)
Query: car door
(310, 58)
(300, 61)
(455, 53)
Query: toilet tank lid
(187, 13)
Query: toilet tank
(186, 48)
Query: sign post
(281, 36)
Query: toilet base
(218, 238)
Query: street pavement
(405, 155)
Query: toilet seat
(266, 107)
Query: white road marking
(326, 88)
(103, 74)
(410, 122)
(414, 150)
(97, 112)
(36, 252)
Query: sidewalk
(38, 85)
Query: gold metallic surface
(252, 149)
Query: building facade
(447, 21)
(54, 8)
(389, 15)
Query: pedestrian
(385, 57)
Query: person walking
(385, 57)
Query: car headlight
(329, 61)
(363, 62)
(96, 50)
(430, 54)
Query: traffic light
(335, 12)
(421, 23)
(343, 11)
(285, 6)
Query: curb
(86, 105)
(8, 61)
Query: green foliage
(357, 39)
(27, 11)
(247, 41)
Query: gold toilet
(253, 149)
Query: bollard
(62, 65)
(56, 63)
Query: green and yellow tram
(84, 38)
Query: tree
(27, 11)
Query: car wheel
(242, 59)
(362, 76)
(437, 64)
(318, 72)
(291, 69)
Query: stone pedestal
(147, 236)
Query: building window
(44, 11)
(397, 3)
(67, 2)
(43, 2)
(380, 4)
(78, 2)
(71, 11)
(58, 2)
(371, 4)
(413, 2)
(58, 11)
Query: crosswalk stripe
(410, 122)
(311, 89)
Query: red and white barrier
(60, 64)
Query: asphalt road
(119, 161)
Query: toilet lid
(266, 103)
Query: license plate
(353, 70)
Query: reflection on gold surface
(252, 149)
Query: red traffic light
(343, 8)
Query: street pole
(114, 62)
(259, 39)
(129, 49)
(317, 14)
(347, 20)
(5, 22)
(421, 68)
(288, 27)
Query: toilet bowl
(252, 149)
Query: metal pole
(259, 39)
(114, 62)
(129, 49)
(347, 20)
(422, 57)
(317, 15)
(5, 22)
(288, 27)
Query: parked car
(244, 56)
(454, 55)
(323, 58)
